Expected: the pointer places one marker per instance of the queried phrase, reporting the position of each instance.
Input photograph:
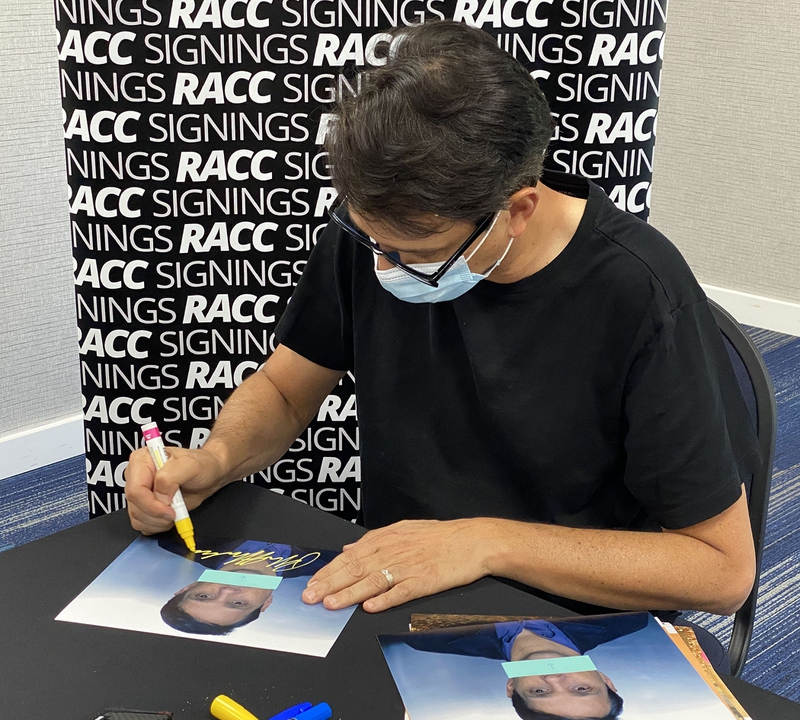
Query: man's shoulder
(647, 258)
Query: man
(543, 393)
(587, 695)
(208, 608)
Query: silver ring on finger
(389, 577)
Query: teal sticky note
(264, 582)
(548, 666)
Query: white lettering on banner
(331, 51)
(99, 48)
(120, 411)
(332, 407)
(101, 506)
(564, 130)
(307, 166)
(331, 469)
(604, 87)
(614, 13)
(305, 237)
(93, 86)
(202, 341)
(235, 89)
(625, 129)
(195, 14)
(201, 374)
(199, 407)
(106, 474)
(605, 50)
(551, 48)
(147, 310)
(100, 165)
(112, 376)
(109, 347)
(596, 164)
(200, 202)
(112, 442)
(216, 167)
(194, 237)
(140, 238)
(329, 499)
(223, 310)
(93, 12)
(98, 205)
(231, 272)
(323, 88)
(500, 13)
(229, 127)
(360, 13)
(80, 125)
(100, 276)
(634, 201)
(327, 439)
(226, 48)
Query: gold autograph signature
(238, 558)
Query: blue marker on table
(317, 712)
(224, 708)
(292, 712)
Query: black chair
(759, 395)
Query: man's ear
(268, 602)
(182, 590)
(510, 688)
(521, 206)
(607, 681)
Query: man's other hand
(196, 472)
(423, 557)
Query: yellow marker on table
(223, 708)
(183, 523)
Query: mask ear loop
(502, 257)
(485, 235)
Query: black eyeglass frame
(431, 279)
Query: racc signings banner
(197, 188)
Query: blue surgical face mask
(454, 283)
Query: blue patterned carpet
(44, 501)
(773, 662)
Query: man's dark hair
(451, 126)
(179, 619)
(527, 714)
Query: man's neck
(550, 229)
(528, 644)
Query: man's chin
(546, 654)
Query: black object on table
(63, 671)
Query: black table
(62, 671)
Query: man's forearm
(621, 569)
(255, 427)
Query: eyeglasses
(337, 214)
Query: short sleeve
(317, 323)
(689, 440)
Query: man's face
(222, 604)
(570, 695)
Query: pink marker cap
(150, 431)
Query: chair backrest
(759, 396)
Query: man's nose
(227, 590)
(555, 679)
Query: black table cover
(63, 671)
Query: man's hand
(423, 556)
(196, 472)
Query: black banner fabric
(198, 187)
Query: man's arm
(709, 566)
(255, 427)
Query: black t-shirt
(595, 393)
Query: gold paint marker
(183, 523)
